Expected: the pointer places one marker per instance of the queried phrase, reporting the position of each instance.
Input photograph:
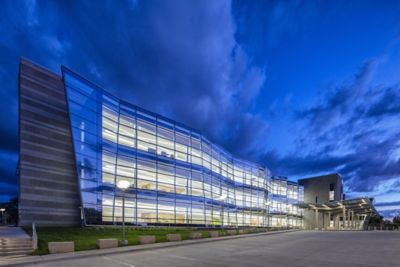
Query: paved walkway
(12, 232)
(302, 248)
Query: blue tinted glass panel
(82, 99)
(73, 82)
(177, 176)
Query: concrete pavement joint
(136, 248)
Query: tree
(375, 220)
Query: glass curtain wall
(295, 194)
(282, 201)
(279, 201)
(177, 176)
(84, 105)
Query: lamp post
(123, 185)
(222, 199)
(2, 215)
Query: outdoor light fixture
(222, 197)
(2, 215)
(123, 185)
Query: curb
(136, 248)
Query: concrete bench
(195, 235)
(107, 243)
(61, 247)
(213, 233)
(147, 239)
(231, 232)
(174, 237)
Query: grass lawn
(85, 238)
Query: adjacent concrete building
(48, 191)
(325, 206)
(322, 189)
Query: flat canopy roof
(358, 205)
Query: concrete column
(316, 219)
(355, 221)
(358, 222)
(337, 222)
(329, 219)
(334, 221)
(348, 218)
(351, 219)
(344, 218)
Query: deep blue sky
(303, 87)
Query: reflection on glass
(176, 175)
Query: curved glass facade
(283, 197)
(176, 175)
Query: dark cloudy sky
(303, 87)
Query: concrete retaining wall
(61, 247)
(174, 237)
(147, 239)
(107, 243)
(213, 233)
(231, 232)
(195, 235)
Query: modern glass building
(176, 175)
(283, 197)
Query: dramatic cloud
(389, 214)
(387, 105)
(177, 58)
(384, 204)
(205, 63)
(271, 22)
(351, 129)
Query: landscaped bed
(85, 238)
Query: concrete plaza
(301, 248)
